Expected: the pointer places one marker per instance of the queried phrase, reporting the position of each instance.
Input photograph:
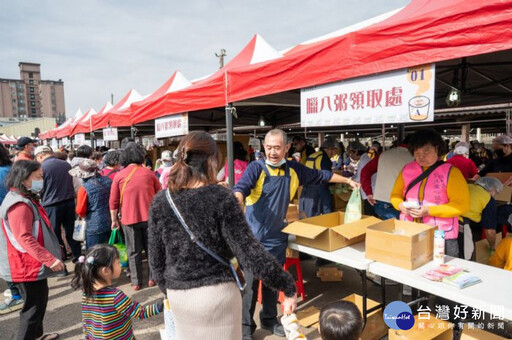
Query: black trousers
(136, 236)
(63, 214)
(268, 313)
(35, 295)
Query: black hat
(22, 141)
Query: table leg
(365, 295)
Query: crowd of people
(194, 231)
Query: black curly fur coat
(214, 216)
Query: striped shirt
(108, 314)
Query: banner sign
(170, 126)
(79, 139)
(401, 96)
(54, 144)
(65, 141)
(110, 134)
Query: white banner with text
(170, 126)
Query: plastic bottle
(439, 247)
(170, 330)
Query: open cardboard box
(375, 327)
(505, 195)
(402, 244)
(328, 232)
(432, 328)
(292, 214)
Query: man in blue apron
(316, 199)
(267, 187)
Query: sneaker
(7, 293)
(62, 273)
(275, 329)
(11, 305)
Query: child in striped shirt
(106, 311)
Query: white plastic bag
(79, 231)
(353, 210)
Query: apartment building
(30, 96)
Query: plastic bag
(353, 210)
(116, 241)
(79, 230)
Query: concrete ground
(63, 314)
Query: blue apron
(267, 216)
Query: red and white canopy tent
(206, 93)
(64, 131)
(6, 140)
(85, 118)
(85, 124)
(108, 118)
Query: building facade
(30, 96)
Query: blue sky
(103, 47)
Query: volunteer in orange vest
(429, 191)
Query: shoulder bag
(232, 263)
(122, 190)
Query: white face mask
(276, 165)
(37, 186)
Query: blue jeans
(385, 210)
(92, 240)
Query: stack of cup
(291, 327)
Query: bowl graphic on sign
(418, 108)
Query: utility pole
(112, 98)
(221, 56)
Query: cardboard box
(482, 247)
(400, 243)
(478, 334)
(308, 316)
(327, 232)
(375, 327)
(506, 194)
(432, 329)
(329, 273)
(292, 214)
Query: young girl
(106, 311)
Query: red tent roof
(208, 92)
(423, 32)
(103, 120)
(84, 125)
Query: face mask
(166, 163)
(500, 153)
(275, 165)
(37, 186)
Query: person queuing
(58, 197)
(107, 312)
(437, 189)
(267, 187)
(385, 166)
(92, 202)
(166, 162)
(356, 152)
(15, 301)
(480, 216)
(460, 159)
(112, 164)
(130, 195)
(300, 144)
(316, 199)
(29, 249)
(340, 320)
(25, 147)
(164, 177)
(205, 301)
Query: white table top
(492, 295)
(352, 256)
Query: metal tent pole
(229, 141)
